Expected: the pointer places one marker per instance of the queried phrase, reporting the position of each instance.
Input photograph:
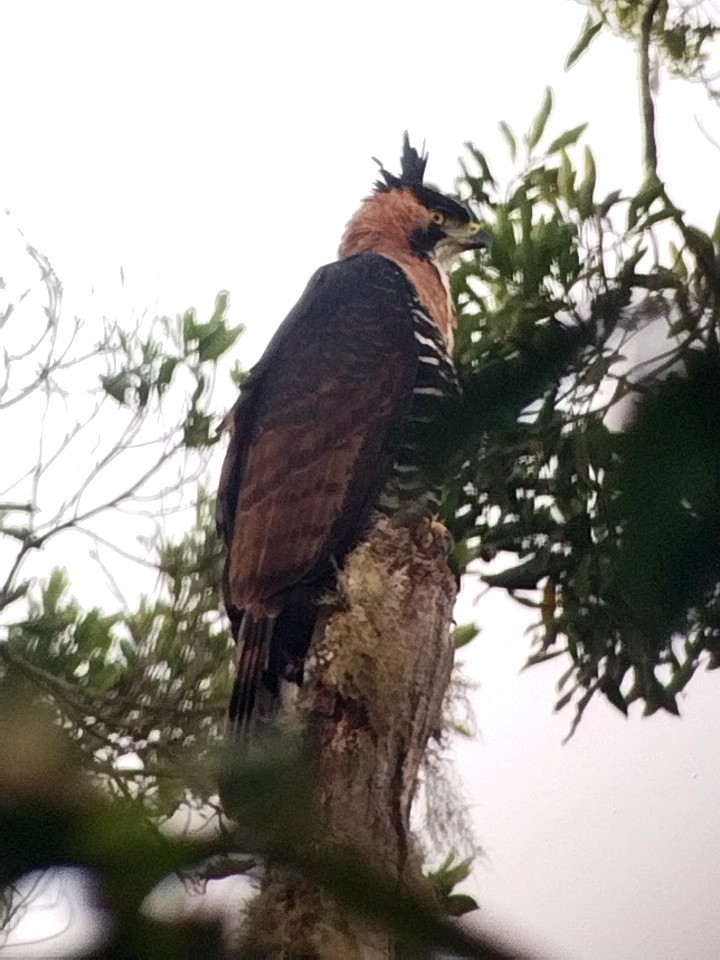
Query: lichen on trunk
(375, 679)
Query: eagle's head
(404, 216)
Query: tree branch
(647, 104)
(375, 679)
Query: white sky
(224, 145)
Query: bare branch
(647, 103)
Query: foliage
(444, 880)
(136, 689)
(598, 475)
(57, 391)
(54, 815)
(681, 33)
(150, 682)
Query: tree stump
(376, 676)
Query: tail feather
(270, 655)
(256, 691)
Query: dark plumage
(320, 434)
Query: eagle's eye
(437, 216)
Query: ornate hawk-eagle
(321, 436)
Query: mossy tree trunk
(375, 682)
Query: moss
(365, 650)
(292, 919)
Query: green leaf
(526, 575)
(197, 430)
(189, 326)
(503, 248)
(463, 634)
(715, 235)
(458, 904)
(587, 187)
(567, 139)
(537, 127)
(643, 199)
(510, 139)
(446, 877)
(143, 392)
(564, 700)
(93, 633)
(527, 245)
(129, 651)
(462, 729)
(658, 216)
(198, 391)
(445, 865)
(613, 694)
(590, 30)
(566, 180)
(167, 368)
(675, 41)
(702, 246)
(55, 589)
(628, 268)
(610, 200)
(116, 385)
(658, 698)
(456, 873)
(649, 191)
(149, 350)
(238, 375)
(678, 263)
(598, 369)
(218, 342)
(479, 157)
(222, 302)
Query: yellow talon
(431, 532)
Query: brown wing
(314, 431)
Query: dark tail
(270, 653)
(256, 692)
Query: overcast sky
(201, 145)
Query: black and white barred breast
(436, 380)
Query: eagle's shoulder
(312, 435)
(363, 272)
(353, 297)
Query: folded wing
(314, 432)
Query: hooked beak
(479, 239)
(470, 236)
(459, 239)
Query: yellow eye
(437, 217)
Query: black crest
(412, 166)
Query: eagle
(324, 433)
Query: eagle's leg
(424, 526)
(434, 531)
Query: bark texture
(375, 682)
